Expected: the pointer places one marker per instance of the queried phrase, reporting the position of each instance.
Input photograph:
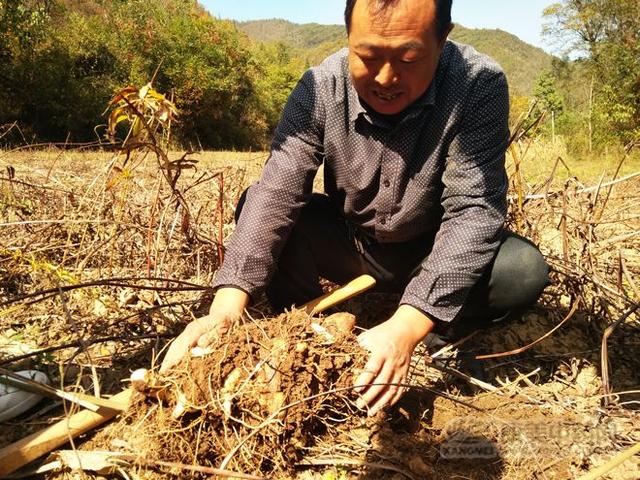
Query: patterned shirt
(437, 168)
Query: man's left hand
(391, 345)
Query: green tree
(607, 34)
(61, 64)
(548, 100)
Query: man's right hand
(227, 307)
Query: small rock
(343, 321)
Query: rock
(565, 301)
(99, 308)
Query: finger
(214, 333)
(370, 371)
(206, 339)
(180, 346)
(172, 358)
(401, 391)
(388, 397)
(380, 384)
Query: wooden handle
(340, 294)
(17, 455)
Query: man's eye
(408, 60)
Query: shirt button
(383, 221)
(386, 183)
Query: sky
(522, 18)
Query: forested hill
(522, 62)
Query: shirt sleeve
(274, 203)
(474, 202)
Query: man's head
(394, 48)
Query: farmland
(101, 265)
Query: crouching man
(412, 130)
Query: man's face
(393, 55)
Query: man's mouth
(387, 97)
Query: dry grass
(74, 222)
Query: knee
(522, 270)
(534, 272)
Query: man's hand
(227, 307)
(391, 345)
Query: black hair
(443, 13)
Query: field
(103, 259)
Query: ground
(102, 262)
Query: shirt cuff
(224, 279)
(442, 314)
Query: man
(412, 130)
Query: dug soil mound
(265, 393)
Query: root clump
(264, 397)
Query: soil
(265, 396)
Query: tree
(607, 34)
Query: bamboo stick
(613, 463)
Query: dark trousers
(323, 244)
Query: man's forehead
(390, 17)
(408, 45)
(382, 8)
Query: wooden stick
(18, 454)
(340, 294)
(613, 463)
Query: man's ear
(445, 36)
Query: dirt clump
(267, 392)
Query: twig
(90, 341)
(473, 381)
(115, 282)
(599, 214)
(448, 348)
(604, 354)
(542, 196)
(198, 468)
(627, 276)
(28, 385)
(527, 347)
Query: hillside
(522, 62)
(307, 36)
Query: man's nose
(386, 75)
